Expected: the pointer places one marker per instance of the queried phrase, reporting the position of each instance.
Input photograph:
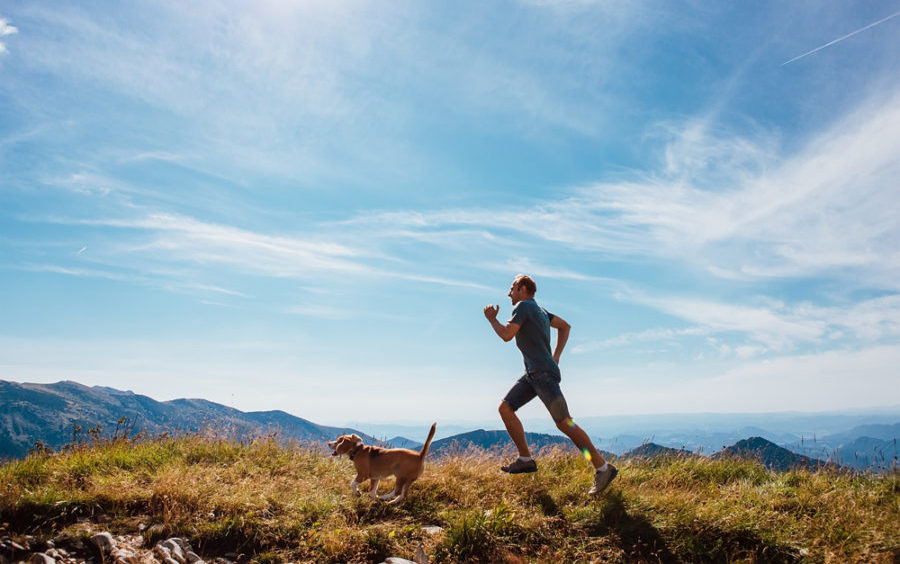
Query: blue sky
(306, 205)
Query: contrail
(851, 34)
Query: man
(530, 325)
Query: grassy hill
(273, 503)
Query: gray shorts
(544, 385)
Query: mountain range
(59, 414)
(66, 412)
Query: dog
(375, 463)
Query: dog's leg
(373, 491)
(354, 485)
(388, 496)
(401, 489)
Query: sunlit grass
(278, 502)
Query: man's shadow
(638, 537)
(642, 541)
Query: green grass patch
(273, 503)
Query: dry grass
(276, 503)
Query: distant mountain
(495, 440)
(769, 454)
(56, 414)
(868, 453)
(653, 450)
(865, 447)
(403, 442)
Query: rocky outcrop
(101, 547)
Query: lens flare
(586, 454)
(572, 423)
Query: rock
(162, 551)
(421, 557)
(170, 561)
(397, 560)
(125, 556)
(61, 539)
(104, 542)
(433, 530)
(41, 558)
(174, 550)
(192, 557)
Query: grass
(276, 503)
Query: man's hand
(505, 332)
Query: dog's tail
(428, 441)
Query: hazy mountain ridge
(496, 440)
(49, 413)
(653, 450)
(770, 455)
(53, 413)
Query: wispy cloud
(829, 207)
(168, 280)
(152, 243)
(776, 327)
(181, 238)
(835, 379)
(650, 335)
(841, 38)
(6, 29)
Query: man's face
(517, 293)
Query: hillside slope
(64, 412)
(263, 502)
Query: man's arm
(505, 332)
(562, 335)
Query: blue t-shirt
(533, 338)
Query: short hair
(525, 280)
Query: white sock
(603, 468)
(525, 458)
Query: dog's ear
(355, 437)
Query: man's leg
(604, 473)
(547, 387)
(514, 428)
(581, 440)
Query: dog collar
(353, 452)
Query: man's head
(523, 288)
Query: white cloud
(748, 331)
(6, 29)
(831, 380)
(830, 208)
(650, 335)
(153, 243)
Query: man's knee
(565, 424)
(505, 408)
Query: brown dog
(374, 463)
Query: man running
(530, 325)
